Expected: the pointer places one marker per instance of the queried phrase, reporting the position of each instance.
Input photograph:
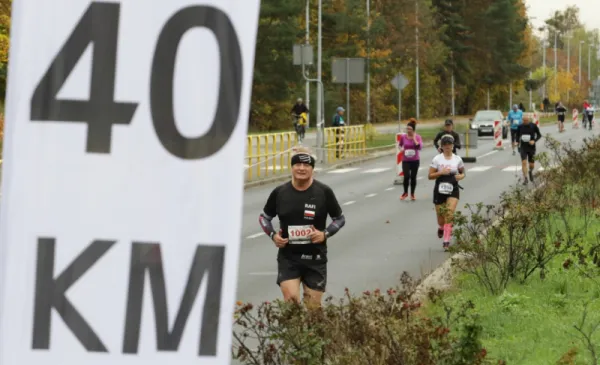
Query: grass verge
(536, 322)
(534, 279)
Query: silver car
(483, 122)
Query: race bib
(526, 138)
(515, 122)
(410, 153)
(445, 188)
(299, 235)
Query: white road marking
(343, 171)
(487, 154)
(420, 178)
(370, 195)
(512, 169)
(256, 235)
(266, 273)
(377, 170)
(389, 189)
(349, 203)
(479, 168)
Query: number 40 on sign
(101, 111)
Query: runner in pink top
(411, 143)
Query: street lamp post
(569, 36)
(368, 61)
(580, 44)
(417, 59)
(307, 97)
(555, 63)
(544, 44)
(590, 62)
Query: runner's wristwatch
(327, 234)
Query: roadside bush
(527, 229)
(374, 328)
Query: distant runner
(561, 111)
(447, 169)
(411, 143)
(515, 118)
(448, 129)
(528, 134)
(302, 206)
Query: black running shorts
(527, 153)
(439, 199)
(310, 269)
(513, 135)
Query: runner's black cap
(447, 139)
(448, 122)
(303, 158)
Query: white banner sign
(123, 180)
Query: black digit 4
(99, 25)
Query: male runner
(302, 206)
(515, 118)
(561, 111)
(528, 134)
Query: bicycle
(300, 125)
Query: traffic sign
(399, 82)
(113, 180)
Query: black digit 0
(99, 25)
(161, 84)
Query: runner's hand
(279, 241)
(317, 236)
(532, 142)
(446, 171)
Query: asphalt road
(383, 236)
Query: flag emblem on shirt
(309, 213)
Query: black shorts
(310, 269)
(439, 199)
(513, 135)
(527, 153)
(561, 118)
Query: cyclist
(411, 143)
(300, 113)
(338, 121)
(302, 206)
(515, 118)
(528, 134)
(561, 111)
(447, 169)
(448, 129)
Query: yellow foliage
(564, 82)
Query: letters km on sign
(120, 230)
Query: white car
(483, 122)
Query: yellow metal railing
(344, 142)
(269, 154)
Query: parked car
(483, 122)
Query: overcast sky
(589, 10)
